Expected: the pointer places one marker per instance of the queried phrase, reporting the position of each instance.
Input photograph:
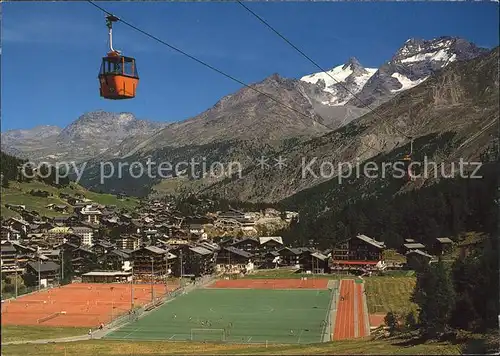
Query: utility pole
(16, 278)
(39, 276)
(132, 289)
(182, 268)
(166, 271)
(62, 266)
(152, 274)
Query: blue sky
(52, 51)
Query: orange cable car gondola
(118, 76)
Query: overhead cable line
(211, 67)
(316, 64)
(200, 61)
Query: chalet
(247, 244)
(289, 256)
(196, 228)
(270, 259)
(442, 245)
(359, 250)
(83, 260)
(193, 260)
(412, 246)
(149, 262)
(416, 259)
(248, 226)
(20, 225)
(52, 254)
(8, 256)
(41, 273)
(130, 242)
(270, 243)
(86, 234)
(90, 214)
(233, 260)
(102, 247)
(61, 208)
(231, 214)
(271, 213)
(289, 215)
(10, 234)
(21, 249)
(117, 260)
(67, 247)
(316, 262)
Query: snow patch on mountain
(405, 82)
(340, 83)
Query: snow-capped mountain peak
(412, 64)
(341, 82)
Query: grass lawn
(18, 194)
(386, 294)
(123, 347)
(20, 333)
(276, 316)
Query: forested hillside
(447, 208)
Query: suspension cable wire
(200, 61)
(212, 67)
(316, 64)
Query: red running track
(344, 322)
(271, 283)
(361, 311)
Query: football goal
(208, 335)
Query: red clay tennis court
(271, 283)
(78, 304)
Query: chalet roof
(7, 248)
(105, 244)
(319, 256)
(201, 250)
(266, 239)
(20, 221)
(273, 253)
(371, 241)
(242, 240)
(444, 240)
(209, 245)
(155, 249)
(120, 253)
(294, 250)
(86, 250)
(237, 251)
(45, 266)
(419, 252)
(414, 246)
(22, 247)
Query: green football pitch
(231, 315)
